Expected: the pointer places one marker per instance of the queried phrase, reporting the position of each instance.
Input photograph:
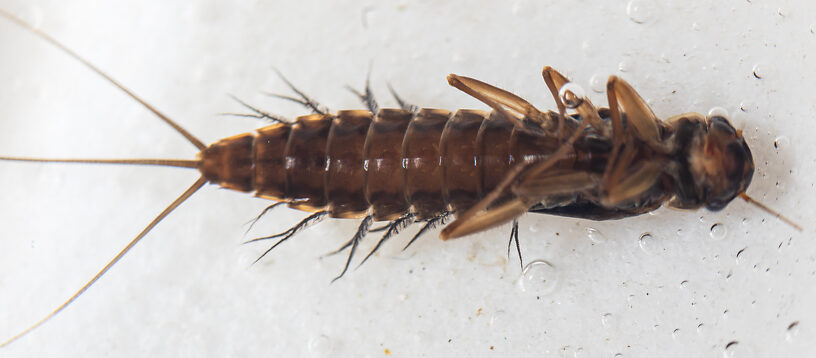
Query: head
(720, 163)
(715, 163)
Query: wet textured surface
(744, 289)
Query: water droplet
(639, 11)
(760, 70)
(684, 283)
(571, 94)
(793, 331)
(606, 320)
(595, 235)
(647, 243)
(717, 112)
(320, 345)
(781, 143)
(618, 355)
(676, 334)
(598, 83)
(718, 231)
(700, 328)
(539, 277)
(624, 66)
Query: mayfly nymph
(406, 165)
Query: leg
(302, 97)
(563, 182)
(638, 114)
(614, 187)
(632, 186)
(308, 221)
(555, 81)
(359, 235)
(524, 115)
(530, 191)
(479, 218)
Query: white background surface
(188, 288)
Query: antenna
(768, 210)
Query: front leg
(620, 183)
(624, 100)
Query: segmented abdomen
(391, 162)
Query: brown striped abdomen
(389, 163)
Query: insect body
(401, 165)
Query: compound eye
(736, 166)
